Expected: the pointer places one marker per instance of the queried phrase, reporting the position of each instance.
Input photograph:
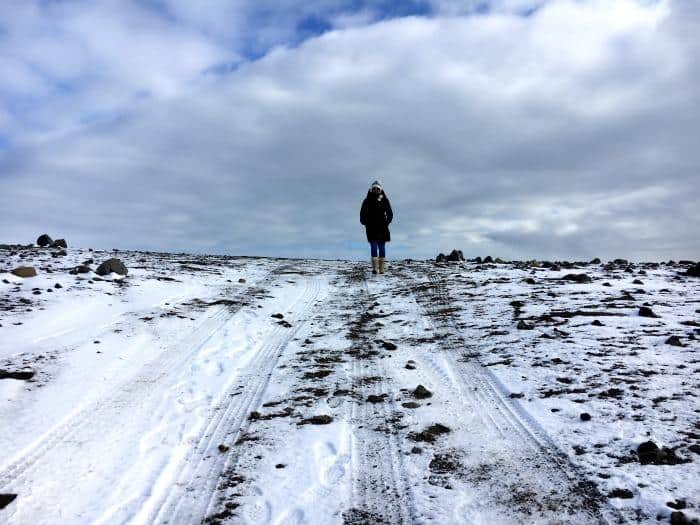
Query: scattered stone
(455, 256)
(388, 345)
(530, 280)
(645, 311)
(316, 420)
(24, 271)
(638, 281)
(674, 340)
(679, 518)
(621, 493)
(422, 393)
(416, 450)
(410, 405)
(677, 505)
(22, 375)
(241, 280)
(597, 323)
(595, 261)
(112, 266)
(59, 243)
(585, 416)
(649, 453)
(6, 499)
(82, 268)
(429, 434)
(44, 240)
(372, 398)
(488, 260)
(514, 395)
(224, 448)
(522, 325)
(577, 278)
(58, 286)
(277, 316)
(280, 465)
(410, 365)
(694, 271)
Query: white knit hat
(377, 184)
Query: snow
(254, 390)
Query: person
(375, 216)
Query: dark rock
(44, 240)
(621, 493)
(488, 260)
(522, 325)
(224, 448)
(677, 505)
(387, 345)
(620, 262)
(416, 450)
(650, 454)
(674, 340)
(59, 243)
(679, 518)
(241, 280)
(638, 281)
(444, 463)
(23, 375)
(280, 465)
(80, 269)
(513, 395)
(6, 499)
(441, 258)
(645, 311)
(585, 416)
(57, 286)
(455, 256)
(410, 404)
(597, 323)
(577, 278)
(316, 420)
(277, 316)
(24, 271)
(422, 393)
(429, 434)
(112, 265)
(530, 280)
(595, 261)
(694, 271)
(410, 365)
(60, 253)
(372, 398)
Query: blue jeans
(378, 246)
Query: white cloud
(551, 135)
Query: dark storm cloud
(564, 134)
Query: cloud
(563, 134)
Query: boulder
(455, 256)
(674, 340)
(44, 240)
(694, 271)
(24, 271)
(488, 260)
(595, 261)
(577, 278)
(422, 393)
(645, 311)
(59, 243)
(112, 266)
(441, 258)
(83, 268)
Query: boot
(375, 265)
(381, 265)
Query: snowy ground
(245, 390)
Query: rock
(429, 434)
(422, 393)
(522, 325)
(677, 505)
(388, 345)
(585, 416)
(455, 256)
(488, 260)
(649, 453)
(44, 240)
(597, 322)
(57, 286)
(620, 262)
(679, 518)
(241, 280)
(24, 271)
(595, 261)
(514, 395)
(645, 311)
(59, 243)
(693, 271)
(674, 340)
(316, 420)
(530, 280)
(621, 493)
(22, 375)
(6, 499)
(277, 316)
(112, 266)
(224, 448)
(373, 398)
(410, 365)
(80, 269)
(280, 465)
(59, 253)
(441, 258)
(577, 278)
(638, 281)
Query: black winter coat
(376, 215)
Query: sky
(523, 129)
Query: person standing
(375, 216)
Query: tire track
(535, 449)
(122, 394)
(380, 492)
(195, 489)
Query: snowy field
(244, 390)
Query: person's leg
(373, 246)
(382, 254)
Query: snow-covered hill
(248, 390)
